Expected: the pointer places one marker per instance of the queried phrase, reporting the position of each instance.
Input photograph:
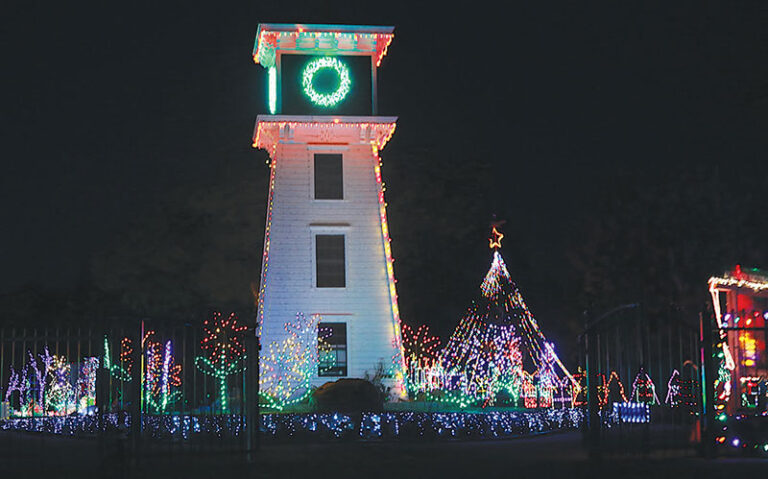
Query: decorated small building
(740, 301)
(327, 250)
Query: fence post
(707, 389)
(592, 399)
(2, 363)
(102, 395)
(135, 389)
(252, 420)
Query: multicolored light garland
(268, 132)
(265, 255)
(398, 359)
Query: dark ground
(555, 455)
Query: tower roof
(320, 39)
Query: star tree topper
(494, 242)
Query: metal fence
(139, 368)
(644, 378)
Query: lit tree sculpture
(160, 376)
(17, 382)
(421, 356)
(122, 369)
(288, 365)
(126, 356)
(85, 388)
(59, 391)
(41, 373)
(420, 347)
(224, 352)
(495, 339)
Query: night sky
(107, 108)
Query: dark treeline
(653, 237)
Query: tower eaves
(320, 39)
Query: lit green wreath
(326, 99)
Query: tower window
(329, 259)
(332, 349)
(329, 177)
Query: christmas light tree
(225, 352)
(643, 389)
(610, 392)
(498, 346)
(579, 397)
(673, 390)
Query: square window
(332, 349)
(329, 177)
(329, 259)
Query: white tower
(326, 244)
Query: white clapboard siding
(365, 303)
